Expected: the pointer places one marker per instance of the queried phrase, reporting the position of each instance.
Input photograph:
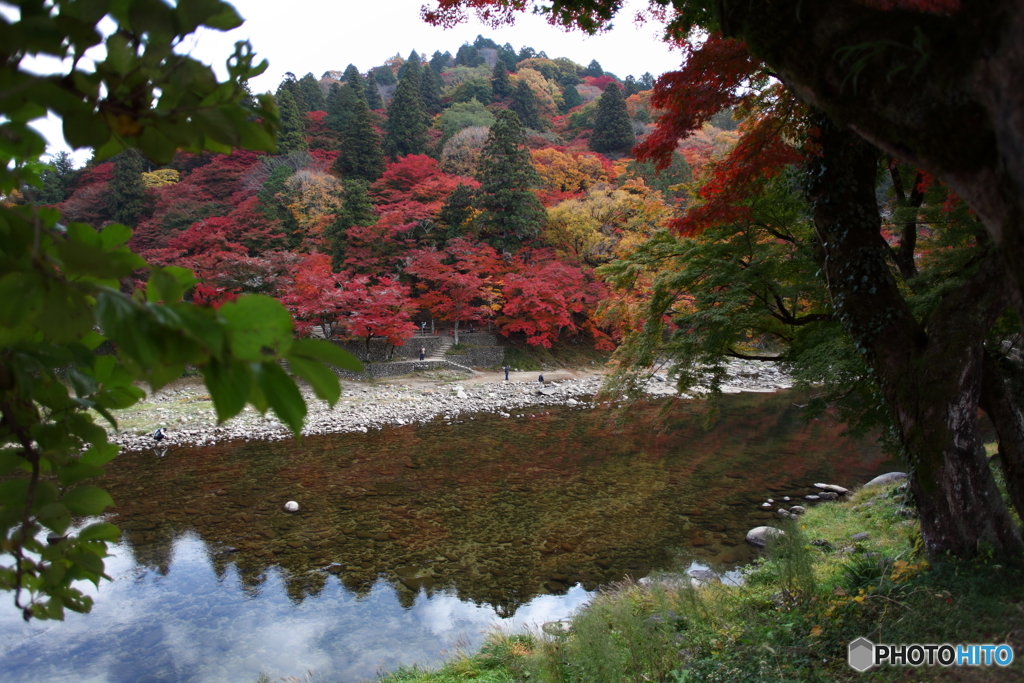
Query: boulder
(797, 510)
(889, 478)
(828, 495)
(761, 535)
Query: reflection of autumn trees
(496, 515)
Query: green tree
(384, 75)
(463, 115)
(311, 95)
(594, 69)
(630, 86)
(439, 60)
(501, 86)
(373, 98)
(468, 55)
(457, 211)
(62, 292)
(406, 129)
(475, 89)
(430, 91)
(510, 213)
(360, 155)
(570, 98)
(126, 198)
(355, 209)
(524, 104)
(291, 136)
(613, 131)
(56, 177)
(340, 103)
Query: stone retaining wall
(379, 348)
(481, 356)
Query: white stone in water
(291, 506)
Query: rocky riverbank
(186, 412)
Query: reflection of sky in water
(190, 626)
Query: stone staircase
(442, 349)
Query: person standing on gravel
(506, 369)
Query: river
(410, 541)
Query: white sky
(304, 36)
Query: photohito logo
(863, 654)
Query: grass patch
(535, 358)
(813, 592)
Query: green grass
(537, 358)
(791, 621)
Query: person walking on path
(541, 378)
(423, 351)
(506, 369)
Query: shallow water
(411, 540)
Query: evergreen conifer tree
(291, 84)
(384, 75)
(430, 91)
(126, 198)
(56, 178)
(630, 86)
(468, 56)
(359, 156)
(570, 98)
(613, 131)
(291, 135)
(340, 103)
(501, 86)
(407, 124)
(439, 60)
(456, 211)
(354, 80)
(524, 104)
(311, 95)
(510, 214)
(355, 209)
(594, 69)
(646, 81)
(373, 98)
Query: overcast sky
(304, 36)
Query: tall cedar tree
(311, 95)
(630, 86)
(439, 60)
(510, 213)
(524, 104)
(340, 101)
(468, 56)
(360, 155)
(290, 84)
(456, 211)
(594, 69)
(126, 198)
(291, 135)
(613, 131)
(571, 98)
(373, 98)
(407, 124)
(501, 86)
(430, 91)
(57, 177)
(355, 209)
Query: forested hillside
(482, 187)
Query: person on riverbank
(506, 369)
(541, 378)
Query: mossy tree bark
(930, 372)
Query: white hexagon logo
(861, 655)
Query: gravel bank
(187, 413)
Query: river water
(414, 540)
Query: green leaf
(10, 461)
(326, 352)
(157, 146)
(85, 129)
(99, 454)
(55, 517)
(87, 560)
(282, 394)
(229, 385)
(259, 328)
(87, 500)
(77, 471)
(100, 531)
(319, 376)
(114, 235)
(168, 284)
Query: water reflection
(409, 538)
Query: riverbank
(844, 570)
(186, 413)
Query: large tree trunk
(930, 375)
(945, 93)
(1002, 408)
